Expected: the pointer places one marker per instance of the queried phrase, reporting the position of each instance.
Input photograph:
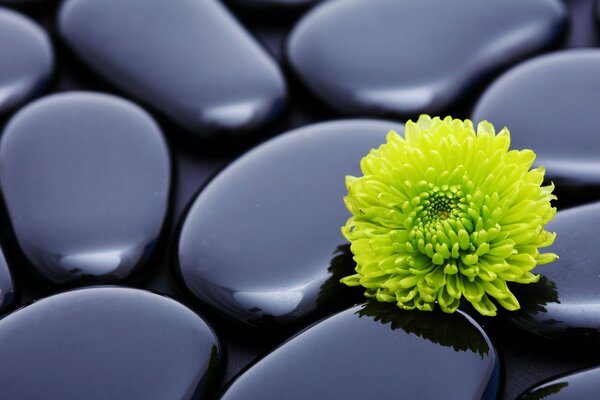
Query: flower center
(435, 222)
(437, 205)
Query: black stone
(377, 351)
(189, 59)
(106, 343)
(414, 56)
(550, 105)
(7, 288)
(565, 304)
(27, 59)
(262, 242)
(85, 178)
(583, 385)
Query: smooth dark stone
(190, 59)
(377, 351)
(106, 343)
(583, 385)
(86, 178)
(27, 59)
(7, 288)
(414, 56)
(565, 304)
(262, 241)
(550, 105)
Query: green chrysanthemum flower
(447, 212)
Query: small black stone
(106, 343)
(550, 105)
(85, 178)
(189, 59)
(27, 59)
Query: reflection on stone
(445, 329)
(332, 291)
(545, 392)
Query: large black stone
(86, 179)
(583, 385)
(377, 351)
(106, 343)
(565, 304)
(190, 59)
(550, 105)
(413, 56)
(262, 241)
(27, 59)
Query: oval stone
(85, 178)
(414, 56)
(583, 385)
(550, 105)
(262, 241)
(377, 351)
(27, 59)
(565, 304)
(189, 59)
(106, 343)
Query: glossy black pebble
(565, 304)
(550, 104)
(190, 59)
(27, 59)
(583, 385)
(106, 343)
(262, 242)
(413, 56)
(377, 351)
(85, 178)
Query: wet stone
(583, 385)
(262, 242)
(565, 303)
(377, 351)
(189, 59)
(27, 59)
(107, 343)
(85, 178)
(414, 56)
(550, 105)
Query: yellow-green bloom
(447, 212)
